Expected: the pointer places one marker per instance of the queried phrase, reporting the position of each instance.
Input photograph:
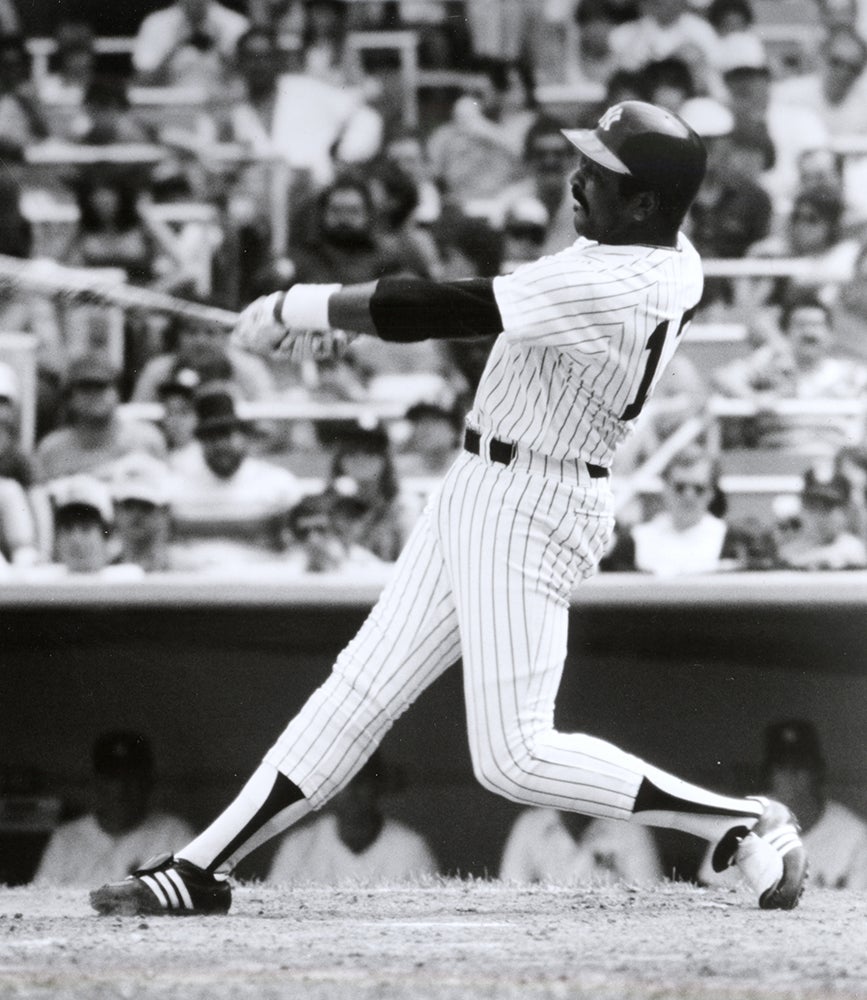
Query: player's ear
(645, 204)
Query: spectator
(433, 442)
(850, 313)
(178, 424)
(142, 493)
(22, 117)
(505, 29)
(83, 518)
(813, 232)
(107, 116)
(408, 151)
(668, 28)
(321, 536)
(338, 125)
(188, 44)
(770, 121)
(797, 365)
(837, 89)
(227, 494)
(354, 841)
(794, 771)
(345, 245)
(731, 211)
(396, 198)
(524, 229)
(547, 154)
(94, 434)
(110, 230)
(591, 62)
(668, 82)
(684, 537)
(115, 838)
(560, 848)
(823, 540)
(203, 348)
(15, 463)
(477, 152)
(74, 65)
(733, 22)
(362, 467)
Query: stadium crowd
(220, 151)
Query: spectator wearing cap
(229, 505)
(794, 771)
(83, 520)
(362, 466)
(188, 44)
(178, 423)
(768, 119)
(142, 491)
(433, 442)
(354, 840)
(94, 433)
(731, 211)
(121, 829)
(798, 363)
(194, 345)
(823, 539)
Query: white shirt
(662, 549)
(315, 853)
(540, 849)
(82, 853)
(579, 329)
(836, 847)
(158, 35)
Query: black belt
(503, 452)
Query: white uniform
(487, 572)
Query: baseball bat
(76, 284)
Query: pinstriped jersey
(586, 334)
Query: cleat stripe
(155, 888)
(170, 891)
(183, 892)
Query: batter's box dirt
(441, 940)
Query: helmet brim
(588, 142)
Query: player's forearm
(404, 310)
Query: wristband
(305, 307)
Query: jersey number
(655, 344)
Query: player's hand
(313, 345)
(258, 329)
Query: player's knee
(505, 770)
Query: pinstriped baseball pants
(486, 576)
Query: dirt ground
(438, 940)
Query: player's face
(599, 209)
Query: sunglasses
(681, 488)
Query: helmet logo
(611, 116)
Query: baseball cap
(91, 369)
(121, 753)
(84, 493)
(793, 743)
(649, 143)
(709, 117)
(215, 411)
(371, 438)
(143, 478)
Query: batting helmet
(654, 146)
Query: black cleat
(164, 886)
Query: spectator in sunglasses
(688, 535)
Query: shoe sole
(786, 894)
(107, 901)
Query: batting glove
(258, 328)
(313, 345)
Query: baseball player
(523, 514)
